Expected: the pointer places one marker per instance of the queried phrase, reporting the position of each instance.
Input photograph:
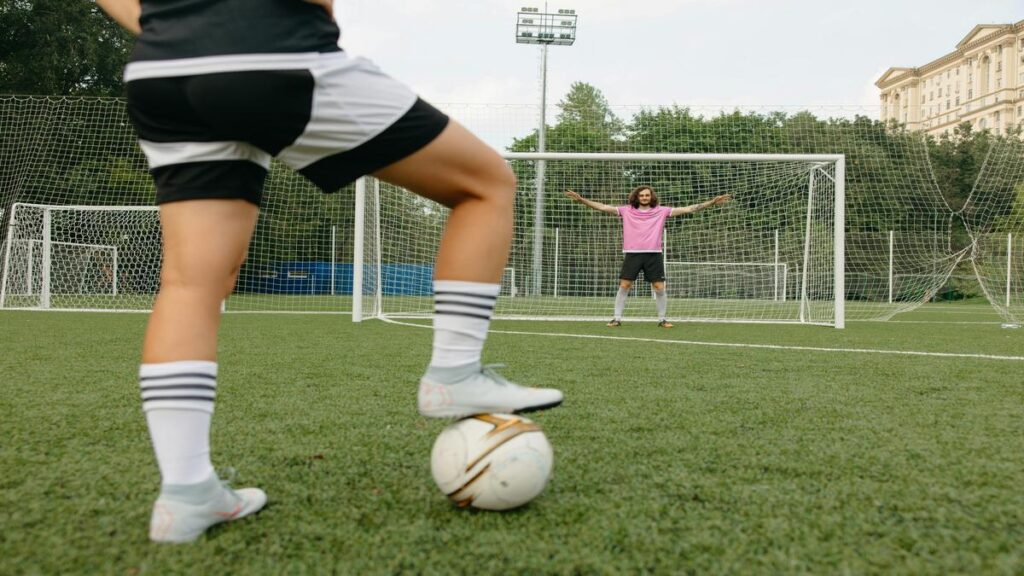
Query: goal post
(775, 253)
(80, 258)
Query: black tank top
(173, 29)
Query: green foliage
(56, 47)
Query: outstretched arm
(575, 197)
(124, 12)
(717, 200)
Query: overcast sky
(651, 52)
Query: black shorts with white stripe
(209, 126)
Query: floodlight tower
(546, 29)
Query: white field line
(986, 322)
(740, 345)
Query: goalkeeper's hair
(634, 196)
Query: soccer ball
(491, 461)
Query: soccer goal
(775, 253)
(80, 258)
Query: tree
(59, 47)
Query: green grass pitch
(671, 457)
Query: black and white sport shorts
(652, 264)
(210, 125)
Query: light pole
(543, 28)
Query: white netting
(994, 215)
(80, 257)
(81, 151)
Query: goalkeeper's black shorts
(652, 264)
(210, 125)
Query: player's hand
(327, 5)
(574, 196)
(718, 200)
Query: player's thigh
(205, 241)
(454, 167)
(654, 269)
(632, 263)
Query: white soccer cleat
(183, 512)
(470, 390)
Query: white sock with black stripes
(177, 398)
(462, 315)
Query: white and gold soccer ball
(491, 461)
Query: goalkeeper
(643, 222)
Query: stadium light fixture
(544, 29)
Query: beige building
(981, 82)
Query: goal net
(743, 261)
(772, 254)
(80, 257)
(994, 215)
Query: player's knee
(208, 283)
(495, 185)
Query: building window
(970, 93)
(947, 105)
(981, 124)
(957, 100)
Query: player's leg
(459, 171)
(620, 301)
(205, 243)
(631, 265)
(208, 186)
(655, 270)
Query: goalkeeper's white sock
(462, 315)
(620, 302)
(661, 300)
(177, 398)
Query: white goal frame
(46, 264)
(838, 223)
(47, 243)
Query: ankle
(196, 493)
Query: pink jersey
(641, 229)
